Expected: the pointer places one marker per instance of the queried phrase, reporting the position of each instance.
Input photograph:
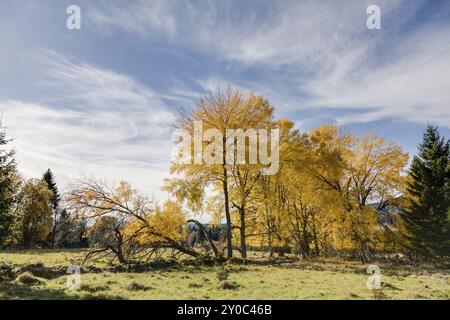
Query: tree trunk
(270, 244)
(54, 228)
(306, 252)
(243, 244)
(316, 246)
(227, 214)
(205, 232)
(119, 251)
(364, 251)
(315, 238)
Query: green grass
(324, 279)
(49, 257)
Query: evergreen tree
(8, 189)
(426, 218)
(51, 183)
(66, 235)
(55, 198)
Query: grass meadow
(260, 279)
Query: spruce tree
(427, 216)
(64, 234)
(8, 189)
(51, 184)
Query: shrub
(228, 285)
(6, 271)
(378, 294)
(101, 296)
(93, 289)
(160, 263)
(41, 271)
(27, 278)
(223, 274)
(207, 261)
(136, 286)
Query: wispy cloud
(321, 50)
(98, 122)
(141, 16)
(412, 85)
(310, 34)
(314, 60)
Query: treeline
(31, 215)
(335, 192)
(34, 217)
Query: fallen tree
(140, 230)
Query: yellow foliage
(168, 222)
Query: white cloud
(142, 17)
(413, 85)
(307, 54)
(99, 122)
(321, 49)
(313, 34)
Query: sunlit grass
(324, 279)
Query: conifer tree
(8, 188)
(427, 216)
(49, 179)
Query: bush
(41, 271)
(378, 294)
(6, 271)
(228, 285)
(136, 286)
(27, 278)
(160, 263)
(207, 260)
(93, 288)
(223, 274)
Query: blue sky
(101, 100)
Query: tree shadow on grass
(14, 291)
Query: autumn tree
(36, 213)
(102, 234)
(167, 222)
(218, 113)
(135, 216)
(305, 213)
(360, 170)
(271, 197)
(245, 174)
(290, 209)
